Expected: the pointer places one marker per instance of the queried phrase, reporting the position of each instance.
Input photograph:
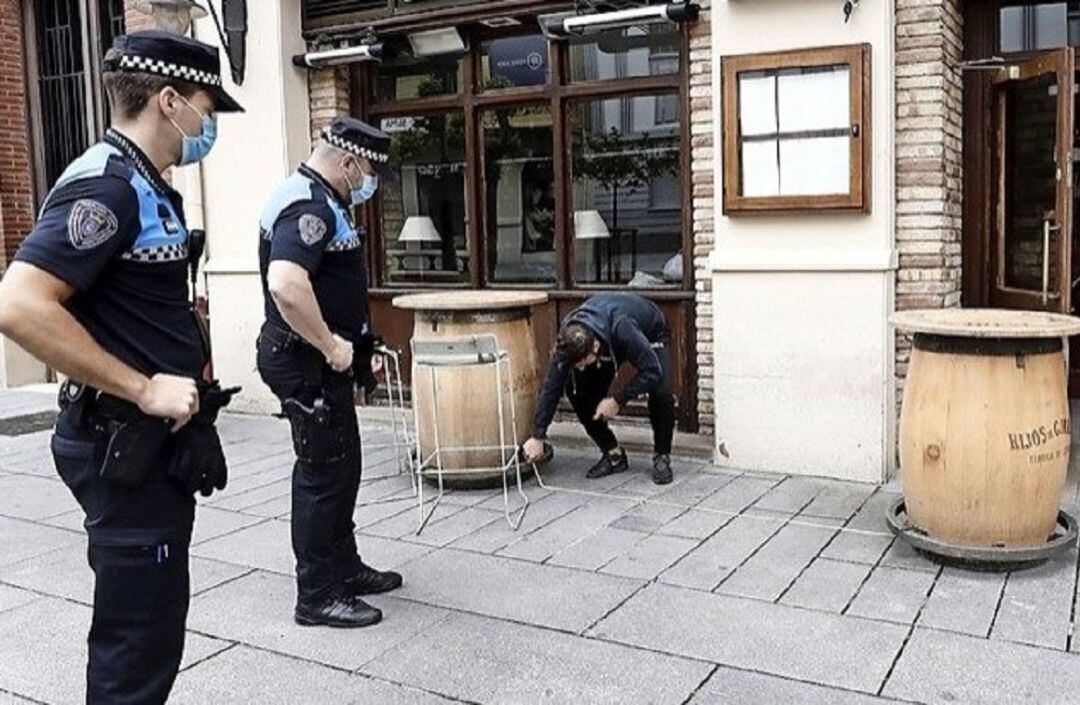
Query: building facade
(780, 177)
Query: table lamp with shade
(420, 229)
(590, 225)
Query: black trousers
(587, 388)
(324, 489)
(138, 550)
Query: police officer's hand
(533, 450)
(376, 364)
(170, 397)
(340, 356)
(607, 410)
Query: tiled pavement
(720, 588)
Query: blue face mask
(366, 190)
(195, 149)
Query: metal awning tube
(336, 57)
(563, 27)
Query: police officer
(99, 292)
(313, 347)
(597, 337)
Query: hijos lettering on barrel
(1024, 440)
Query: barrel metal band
(950, 344)
(500, 316)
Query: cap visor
(386, 171)
(223, 102)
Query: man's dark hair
(574, 343)
(129, 92)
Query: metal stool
(431, 356)
(403, 443)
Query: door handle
(1049, 226)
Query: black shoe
(371, 582)
(341, 611)
(608, 465)
(661, 469)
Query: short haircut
(574, 343)
(130, 91)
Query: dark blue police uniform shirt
(114, 231)
(307, 223)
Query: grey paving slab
(366, 515)
(446, 531)
(650, 556)
(871, 517)
(266, 546)
(71, 521)
(7, 698)
(769, 572)
(696, 524)
(386, 554)
(791, 495)
(256, 496)
(893, 595)
(943, 667)
(245, 675)
(840, 500)
(258, 610)
(57, 629)
(484, 660)
(729, 686)
(713, 560)
(740, 493)
(826, 585)
(12, 597)
(1036, 607)
(515, 590)
(647, 518)
(857, 546)
(403, 524)
(902, 555)
(691, 487)
(785, 641)
(30, 497)
(545, 542)
(963, 601)
(211, 522)
(596, 549)
(23, 539)
(542, 512)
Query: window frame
(858, 199)
(559, 93)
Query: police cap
(173, 56)
(359, 138)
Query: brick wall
(328, 90)
(929, 158)
(16, 177)
(702, 176)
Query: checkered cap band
(354, 148)
(165, 68)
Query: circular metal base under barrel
(985, 558)
(486, 481)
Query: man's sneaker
(344, 611)
(609, 465)
(661, 469)
(371, 582)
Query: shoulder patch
(312, 228)
(90, 223)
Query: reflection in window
(627, 220)
(1034, 27)
(423, 212)
(520, 194)
(634, 52)
(794, 131)
(407, 78)
(514, 62)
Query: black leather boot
(371, 582)
(609, 465)
(661, 469)
(344, 610)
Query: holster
(320, 432)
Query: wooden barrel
(468, 412)
(985, 427)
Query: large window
(525, 163)
(1027, 27)
(68, 105)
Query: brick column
(16, 175)
(703, 203)
(929, 158)
(329, 93)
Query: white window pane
(760, 173)
(1051, 26)
(815, 167)
(757, 105)
(819, 100)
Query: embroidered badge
(90, 223)
(312, 228)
